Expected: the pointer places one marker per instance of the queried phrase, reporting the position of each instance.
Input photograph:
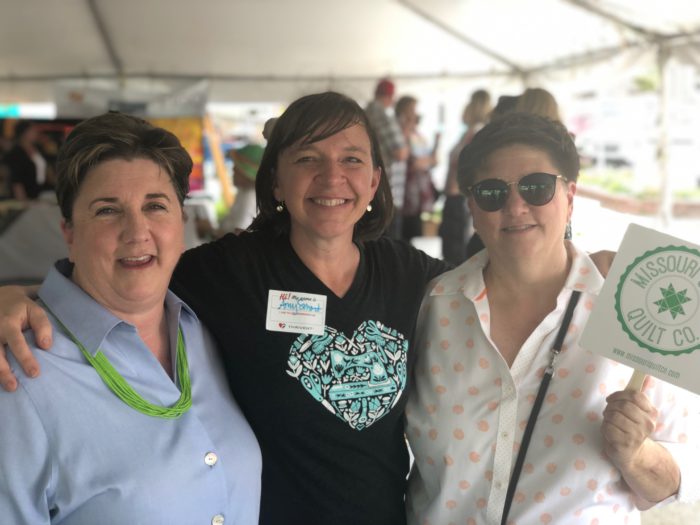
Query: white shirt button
(504, 435)
(217, 520)
(499, 485)
(210, 459)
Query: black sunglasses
(537, 189)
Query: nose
(135, 227)
(515, 204)
(331, 172)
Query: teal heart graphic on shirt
(359, 379)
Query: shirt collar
(88, 320)
(468, 279)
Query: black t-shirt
(327, 410)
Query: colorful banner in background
(190, 132)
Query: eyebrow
(347, 149)
(149, 196)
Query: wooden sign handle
(636, 381)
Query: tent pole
(665, 213)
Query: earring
(369, 207)
(280, 207)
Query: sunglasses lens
(537, 189)
(490, 194)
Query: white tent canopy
(275, 49)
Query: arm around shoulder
(18, 311)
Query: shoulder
(402, 257)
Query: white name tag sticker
(296, 312)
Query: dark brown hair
(117, 136)
(534, 131)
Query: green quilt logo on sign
(657, 300)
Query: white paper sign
(648, 313)
(296, 312)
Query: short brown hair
(310, 119)
(526, 129)
(117, 136)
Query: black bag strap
(520, 461)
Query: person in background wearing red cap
(392, 143)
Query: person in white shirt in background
(246, 161)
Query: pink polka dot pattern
(592, 416)
(433, 434)
(482, 411)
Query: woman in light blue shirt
(131, 420)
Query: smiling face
(327, 185)
(520, 229)
(126, 234)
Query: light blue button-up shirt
(72, 452)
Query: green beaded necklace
(123, 390)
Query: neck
(152, 327)
(528, 278)
(334, 262)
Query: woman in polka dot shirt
(598, 454)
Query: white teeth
(329, 202)
(143, 258)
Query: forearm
(652, 475)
